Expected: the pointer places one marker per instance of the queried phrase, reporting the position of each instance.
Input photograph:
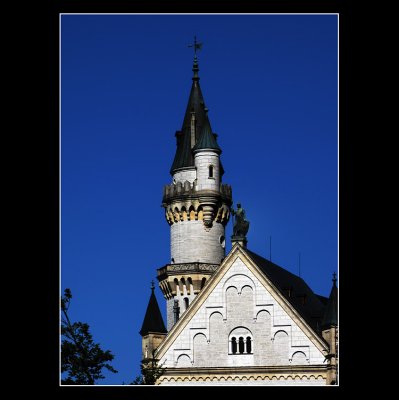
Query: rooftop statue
(241, 224)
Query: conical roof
(331, 312)
(207, 140)
(153, 321)
(184, 156)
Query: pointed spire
(184, 157)
(207, 140)
(195, 69)
(331, 312)
(153, 321)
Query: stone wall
(184, 175)
(241, 300)
(203, 160)
(192, 242)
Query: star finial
(152, 285)
(334, 279)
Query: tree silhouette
(150, 372)
(81, 358)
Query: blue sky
(270, 83)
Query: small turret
(206, 158)
(153, 330)
(329, 326)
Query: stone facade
(241, 308)
(191, 242)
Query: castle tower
(197, 208)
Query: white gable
(241, 322)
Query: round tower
(197, 208)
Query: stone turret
(153, 330)
(197, 208)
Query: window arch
(240, 341)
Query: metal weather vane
(196, 45)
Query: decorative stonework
(183, 202)
(187, 278)
(315, 375)
(191, 267)
(199, 347)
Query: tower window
(186, 302)
(210, 171)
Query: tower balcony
(186, 190)
(186, 277)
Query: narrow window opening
(211, 171)
(249, 345)
(234, 345)
(186, 302)
(203, 282)
(176, 311)
(241, 345)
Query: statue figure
(241, 225)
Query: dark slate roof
(312, 310)
(207, 139)
(323, 299)
(153, 321)
(331, 312)
(184, 157)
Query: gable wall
(240, 301)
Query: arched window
(249, 345)
(241, 345)
(186, 302)
(240, 341)
(234, 345)
(210, 171)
